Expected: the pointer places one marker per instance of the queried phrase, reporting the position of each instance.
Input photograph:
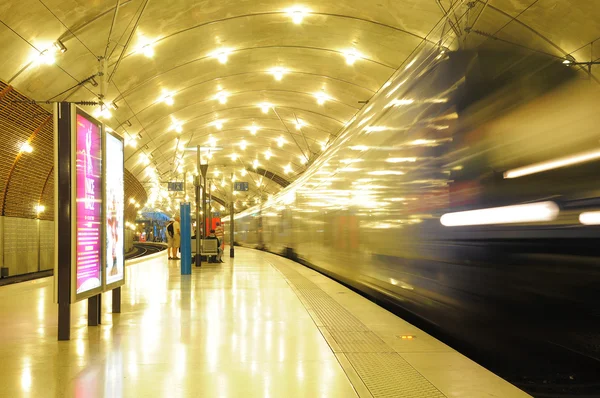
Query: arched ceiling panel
(182, 36)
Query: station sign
(175, 186)
(240, 186)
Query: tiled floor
(231, 330)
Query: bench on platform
(208, 247)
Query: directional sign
(176, 186)
(240, 186)
(216, 214)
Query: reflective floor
(231, 330)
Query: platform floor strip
(384, 372)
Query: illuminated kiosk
(89, 214)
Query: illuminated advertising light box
(114, 207)
(88, 253)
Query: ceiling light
(132, 142)
(221, 96)
(530, 212)
(351, 56)
(212, 141)
(400, 102)
(268, 154)
(218, 124)
(26, 148)
(278, 73)
(234, 179)
(553, 164)
(386, 173)
(400, 160)
(222, 55)
(243, 172)
(321, 97)
(216, 173)
(255, 164)
(167, 97)
(287, 169)
(144, 159)
(243, 145)
(145, 46)
(590, 218)
(234, 157)
(103, 112)
(302, 159)
(253, 129)
(45, 57)
(40, 209)
(176, 125)
(297, 14)
(323, 145)
(299, 124)
(280, 142)
(265, 106)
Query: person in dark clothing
(219, 249)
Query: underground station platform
(258, 325)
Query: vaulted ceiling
(262, 86)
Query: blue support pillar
(186, 239)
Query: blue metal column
(186, 239)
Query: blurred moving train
(466, 194)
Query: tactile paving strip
(389, 375)
(383, 371)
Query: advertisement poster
(115, 206)
(89, 205)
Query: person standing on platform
(176, 237)
(220, 234)
(170, 239)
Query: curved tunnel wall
(27, 180)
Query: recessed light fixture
(222, 54)
(297, 14)
(299, 124)
(253, 129)
(321, 97)
(26, 148)
(243, 145)
(351, 56)
(278, 72)
(280, 141)
(265, 106)
(145, 46)
(268, 154)
(218, 124)
(221, 96)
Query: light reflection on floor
(235, 329)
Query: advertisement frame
(110, 286)
(75, 297)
